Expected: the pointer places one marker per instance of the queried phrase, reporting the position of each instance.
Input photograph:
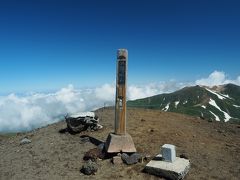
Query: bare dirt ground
(213, 148)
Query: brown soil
(213, 148)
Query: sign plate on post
(121, 72)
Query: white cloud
(217, 78)
(105, 92)
(20, 113)
(238, 80)
(146, 90)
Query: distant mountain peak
(218, 103)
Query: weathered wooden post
(120, 140)
(121, 86)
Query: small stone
(210, 120)
(85, 139)
(89, 168)
(117, 160)
(25, 141)
(229, 145)
(220, 131)
(183, 156)
(145, 157)
(93, 154)
(132, 159)
(101, 146)
(151, 130)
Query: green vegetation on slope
(195, 101)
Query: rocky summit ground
(212, 147)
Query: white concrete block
(175, 171)
(168, 152)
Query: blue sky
(48, 44)
(59, 56)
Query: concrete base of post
(119, 143)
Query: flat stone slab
(119, 143)
(172, 170)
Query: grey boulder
(89, 168)
(131, 159)
(25, 141)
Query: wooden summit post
(121, 86)
(120, 140)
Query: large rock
(94, 154)
(82, 122)
(25, 141)
(89, 168)
(85, 139)
(131, 159)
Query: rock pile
(89, 168)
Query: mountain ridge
(219, 103)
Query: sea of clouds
(30, 111)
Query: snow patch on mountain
(227, 116)
(236, 106)
(203, 106)
(176, 103)
(218, 95)
(216, 117)
(166, 107)
(226, 96)
(185, 102)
